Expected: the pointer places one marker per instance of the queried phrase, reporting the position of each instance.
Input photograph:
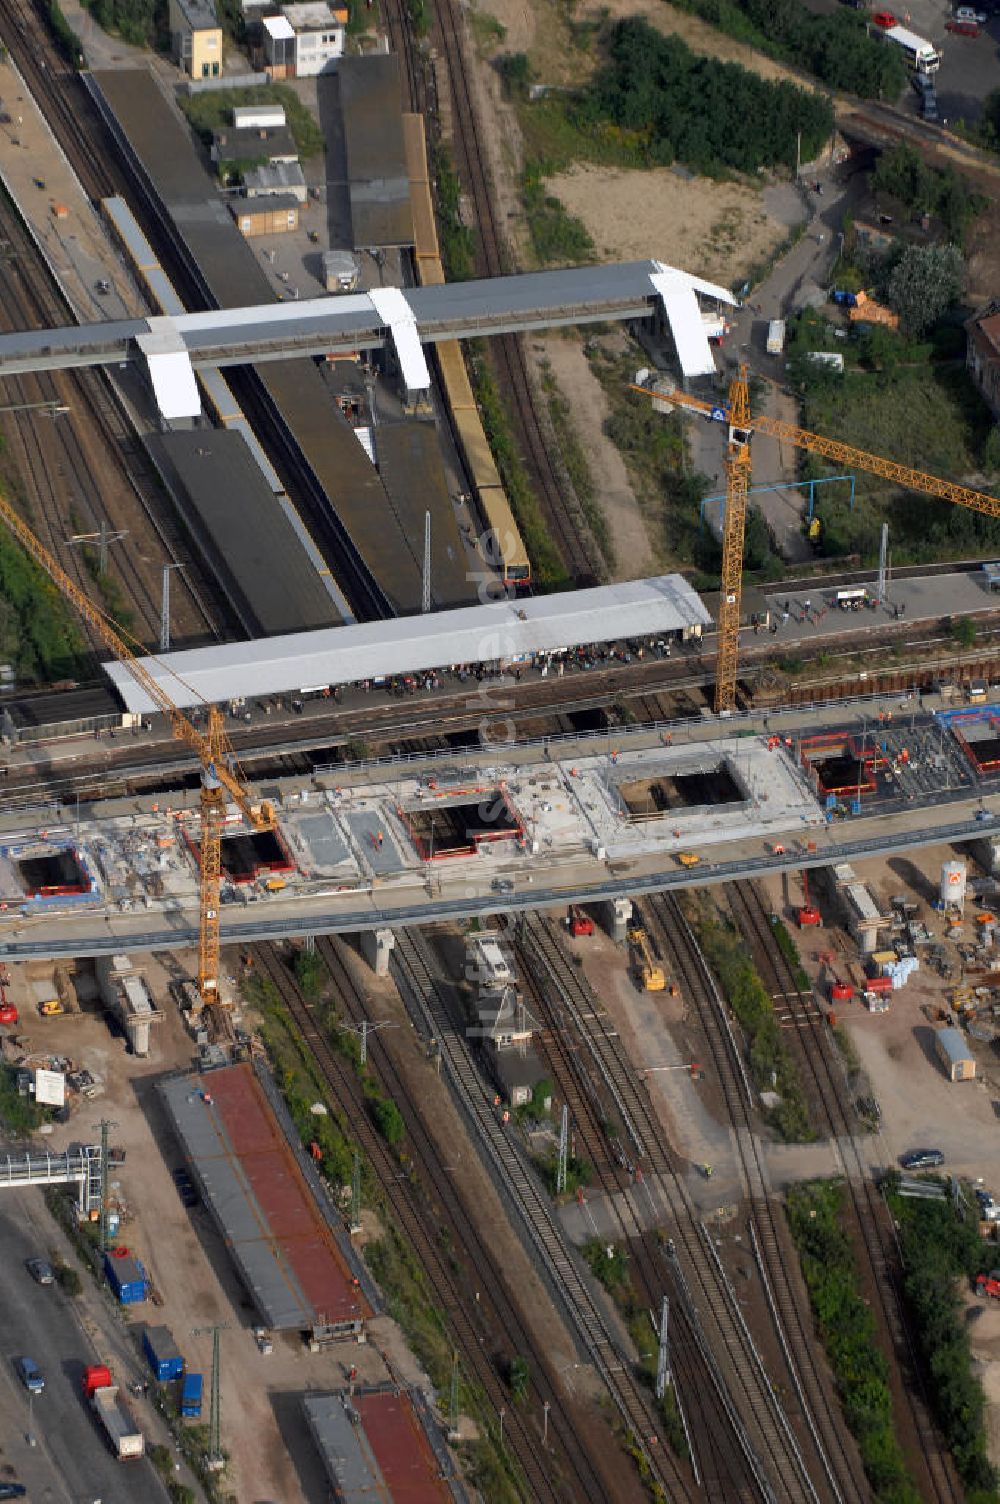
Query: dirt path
(569, 367)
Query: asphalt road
(70, 1462)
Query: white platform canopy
(502, 631)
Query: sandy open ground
(718, 230)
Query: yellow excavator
(648, 971)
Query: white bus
(919, 54)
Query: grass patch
(457, 243)
(790, 951)
(207, 112)
(20, 1114)
(575, 460)
(771, 1064)
(65, 37)
(920, 412)
(548, 570)
(557, 237)
(848, 1332)
(654, 449)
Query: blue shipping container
(126, 1276)
(161, 1350)
(191, 1394)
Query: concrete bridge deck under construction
(468, 833)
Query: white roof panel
(369, 650)
(170, 370)
(684, 316)
(279, 28)
(393, 309)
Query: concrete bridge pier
(376, 947)
(619, 914)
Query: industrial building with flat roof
(371, 104)
(244, 536)
(499, 632)
(286, 1250)
(380, 1445)
(356, 511)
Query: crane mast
(218, 778)
(742, 426)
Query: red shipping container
(878, 984)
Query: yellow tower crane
(742, 427)
(211, 747)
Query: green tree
(388, 1120)
(520, 1380)
(924, 281)
(963, 630)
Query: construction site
(496, 942)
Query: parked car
(41, 1271)
(969, 13)
(962, 28)
(885, 19)
(929, 106)
(12, 1491)
(30, 1375)
(502, 885)
(922, 1159)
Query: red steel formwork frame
(293, 1220)
(401, 1449)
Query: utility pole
(309, 944)
(356, 1194)
(425, 603)
(105, 1125)
(883, 554)
(663, 1355)
(562, 1165)
(215, 1461)
(104, 537)
(165, 607)
(453, 1400)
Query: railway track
(723, 1459)
(574, 1477)
(566, 523)
(776, 1256)
(870, 1214)
(628, 1396)
(770, 1439)
(29, 298)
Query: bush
(938, 1251)
(674, 105)
(849, 1335)
(607, 1262)
(771, 1064)
(310, 973)
(903, 174)
(837, 48)
(388, 1120)
(69, 1280)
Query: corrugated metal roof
(660, 606)
(952, 1042)
(256, 1192)
(374, 1448)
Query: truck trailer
(116, 1419)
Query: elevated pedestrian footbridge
(405, 319)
